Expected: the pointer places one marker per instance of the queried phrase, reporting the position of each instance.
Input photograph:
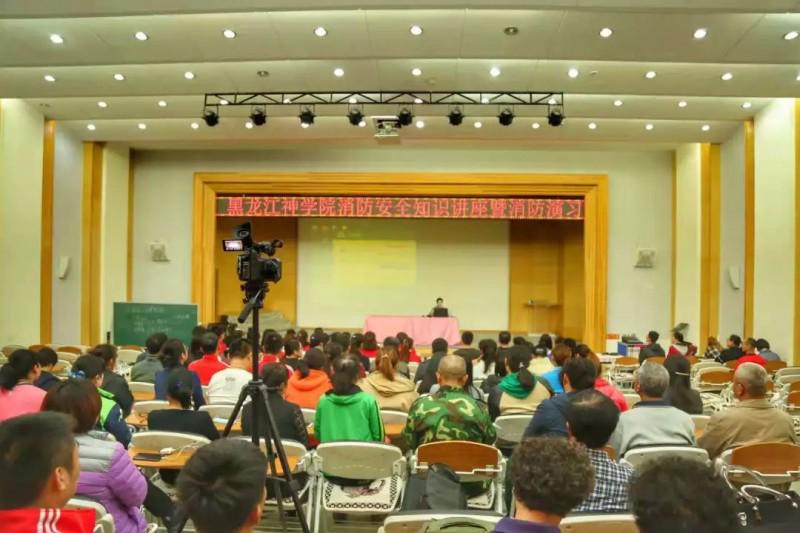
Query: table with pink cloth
(422, 329)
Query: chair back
(511, 428)
(219, 410)
(626, 361)
(142, 386)
(71, 349)
(714, 376)
(128, 356)
(291, 447)
(104, 522)
(639, 456)
(158, 440)
(62, 368)
(793, 398)
(132, 347)
(700, 421)
(732, 364)
(632, 399)
(145, 408)
(788, 371)
(415, 521)
(309, 415)
(705, 364)
(67, 356)
(470, 460)
(658, 360)
(360, 460)
(768, 458)
(11, 348)
(792, 387)
(774, 366)
(693, 360)
(787, 379)
(390, 416)
(599, 523)
(36, 347)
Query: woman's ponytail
(19, 365)
(518, 361)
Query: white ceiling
(460, 43)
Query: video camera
(251, 267)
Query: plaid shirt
(611, 486)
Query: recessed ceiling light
(102, 104)
(649, 127)
(552, 101)
(189, 75)
(650, 74)
(248, 125)
(511, 30)
(494, 72)
(304, 125)
(416, 71)
(617, 103)
(49, 77)
(91, 127)
(223, 102)
(319, 31)
(415, 30)
(535, 125)
(605, 33)
(362, 123)
(420, 124)
(338, 72)
(162, 103)
(792, 35)
(142, 126)
(417, 100)
(140, 36)
(592, 126)
(700, 33)
(683, 103)
(478, 124)
(747, 105)
(706, 127)
(573, 73)
(56, 38)
(195, 125)
(262, 73)
(728, 76)
(229, 34)
(119, 77)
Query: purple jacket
(109, 477)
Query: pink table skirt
(422, 329)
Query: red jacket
(32, 520)
(605, 387)
(751, 358)
(207, 367)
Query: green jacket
(448, 414)
(351, 417)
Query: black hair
(272, 343)
(674, 495)
(504, 337)
(369, 341)
(106, 352)
(274, 375)
(736, 340)
(88, 367)
(289, 335)
(680, 390)
(198, 330)
(750, 341)
(581, 373)
(179, 386)
(679, 337)
(653, 336)
(592, 417)
(292, 347)
(540, 351)
(302, 336)
(518, 359)
(355, 344)
(31, 448)
(19, 365)
(488, 350)
(333, 350)
(439, 299)
(240, 348)
(439, 345)
(519, 340)
(762, 344)
(209, 342)
(345, 373)
(342, 339)
(571, 343)
(221, 484)
(47, 357)
(155, 342)
(314, 359)
(467, 337)
(171, 353)
(547, 341)
(196, 347)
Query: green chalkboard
(134, 322)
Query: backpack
(461, 524)
(439, 489)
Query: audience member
(40, 469)
(520, 391)
(550, 478)
(540, 364)
(222, 487)
(571, 343)
(155, 341)
(679, 346)
(483, 367)
(209, 364)
(407, 351)
(591, 419)
(547, 341)
(346, 412)
(292, 353)
(48, 359)
(426, 372)
(561, 354)
(289, 421)
(466, 349)
(601, 384)
(764, 350)
(113, 382)
(302, 337)
(504, 340)
(369, 345)
(680, 393)
(751, 354)
(90, 368)
(550, 417)
(390, 389)
(290, 335)
(196, 346)
(271, 348)
(652, 421)
(450, 413)
(713, 348)
(733, 350)
(173, 355)
(145, 369)
(751, 420)
(676, 495)
(226, 384)
(18, 394)
(310, 382)
(651, 348)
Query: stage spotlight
(555, 117)
(455, 116)
(405, 117)
(506, 116)
(211, 118)
(355, 116)
(307, 116)
(258, 117)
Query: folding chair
(77, 350)
(511, 428)
(67, 356)
(36, 347)
(390, 416)
(712, 379)
(62, 368)
(705, 364)
(471, 461)
(622, 370)
(639, 456)
(773, 366)
(599, 523)
(145, 408)
(142, 389)
(700, 421)
(631, 398)
(295, 453)
(415, 521)
(382, 464)
(309, 415)
(11, 348)
(158, 440)
(776, 463)
(104, 522)
(221, 411)
(128, 356)
(658, 360)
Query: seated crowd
(567, 462)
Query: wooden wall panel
(572, 279)
(282, 295)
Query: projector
(387, 128)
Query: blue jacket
(550, 418)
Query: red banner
(411, 207)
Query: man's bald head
(452, 371)
(753, 379)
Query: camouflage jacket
(448, 414)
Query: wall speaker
(645, 258)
